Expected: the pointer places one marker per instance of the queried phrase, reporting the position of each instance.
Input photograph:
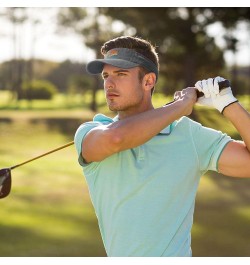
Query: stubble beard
(132, 101)
(126, 106)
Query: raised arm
(235, 158)
(133, 131)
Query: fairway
(142, 187)
(49, 211)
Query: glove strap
(229, 105)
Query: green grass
(49, 211)
(59, 102)
(222, 217)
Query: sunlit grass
(49, 211)
(60, 101)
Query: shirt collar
(165, 131)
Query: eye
(121, 74)
(104, 76)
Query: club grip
(223, 84)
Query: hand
(213, 97)
(188, 98)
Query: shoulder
(185, 123)
(98, 120)
(83, 129)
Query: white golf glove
(213, 97)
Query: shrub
(38, 89)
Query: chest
(161, 162)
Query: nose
(109, 83)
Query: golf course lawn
(49, 211)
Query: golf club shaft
(34, 158)
(223, 84)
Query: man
(143, 167)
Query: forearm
(138, 129)
(240, 118)
(235, 159)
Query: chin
(112, 108)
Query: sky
(42, 41)
(45, 42)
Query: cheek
(131, 92)
(138, 90)
(134, 87)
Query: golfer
(143, 167)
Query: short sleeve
(98, 120)
(79, 136)
(209, 145)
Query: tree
(38, 89)
(94, 30)
(180, 35)
(230, 17)
(186, 51)
(17, 16)
(60, 75)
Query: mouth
(111, 95)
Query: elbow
(116, 140)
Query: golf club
(223, 84)
(5, 173)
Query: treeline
(187, 52)
(66, 76)
(71, 77)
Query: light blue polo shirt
(144, 197)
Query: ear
(149, 80)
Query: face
(123, 89)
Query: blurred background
(45, 94)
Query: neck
(134, 111)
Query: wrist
(226, 103)
(230, 110)
(184, 107)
